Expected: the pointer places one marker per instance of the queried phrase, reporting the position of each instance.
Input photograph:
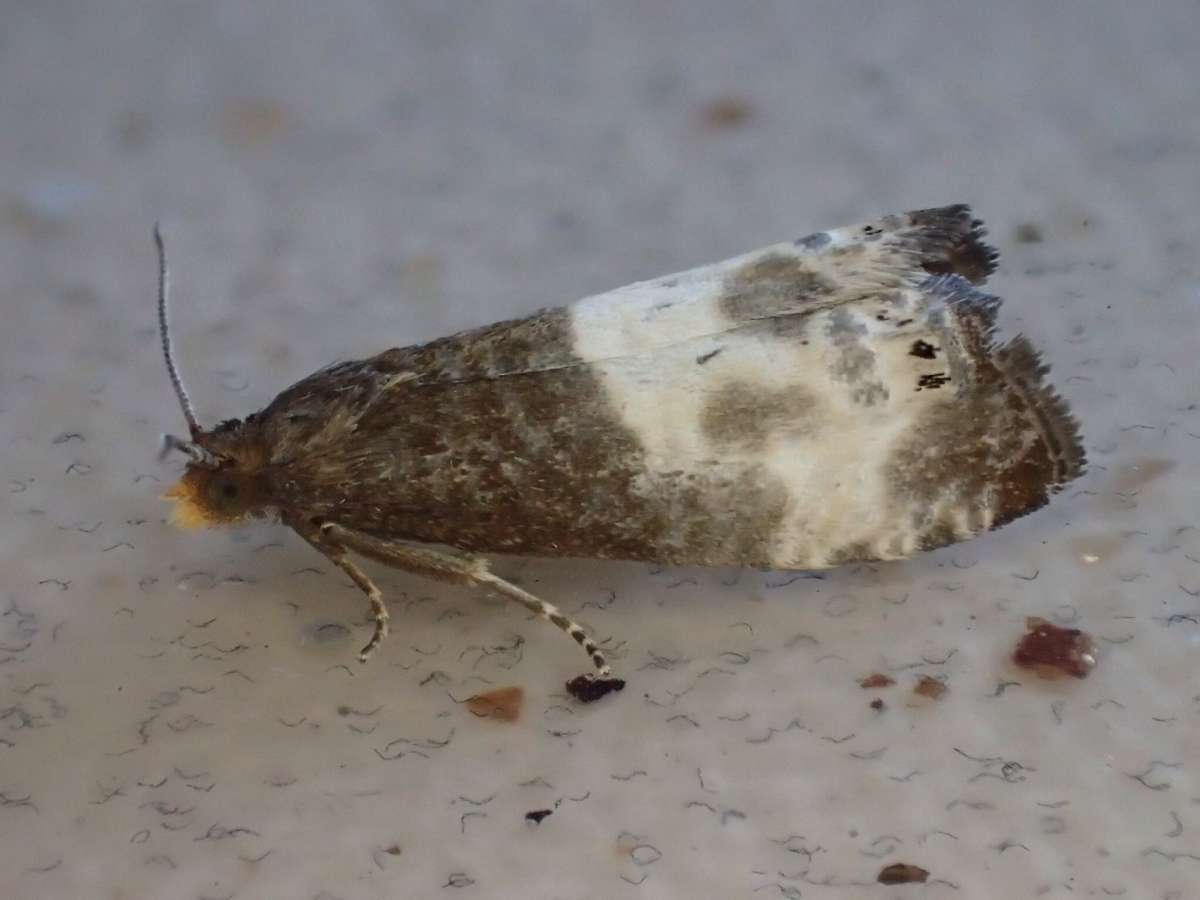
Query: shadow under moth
(830, 399)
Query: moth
(835, 398)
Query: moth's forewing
(834, 398)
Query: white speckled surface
(181, 715)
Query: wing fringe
(1022, 368)
(949, 240)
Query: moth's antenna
(164, 331)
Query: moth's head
(223, 482)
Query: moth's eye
(224, 491)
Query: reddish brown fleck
(876, 680)
(902, 873)
(250, 123)
(726, 112)
(1052, 651)
(503, 704)
(928, 686)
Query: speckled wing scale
(835, 398)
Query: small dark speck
(1027, 233)
(934, 380)
(536, 815)
(705, 357)
(588, 688)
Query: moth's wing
(797, 407)
(797, 277)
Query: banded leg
(442, 565)
(336, 554)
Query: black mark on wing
(934, 380)
(923, 349)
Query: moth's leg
(443, 565)
(335, 552)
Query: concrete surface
(181, 714)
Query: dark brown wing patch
(950, 241)
(774, 285)
(536, 465)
